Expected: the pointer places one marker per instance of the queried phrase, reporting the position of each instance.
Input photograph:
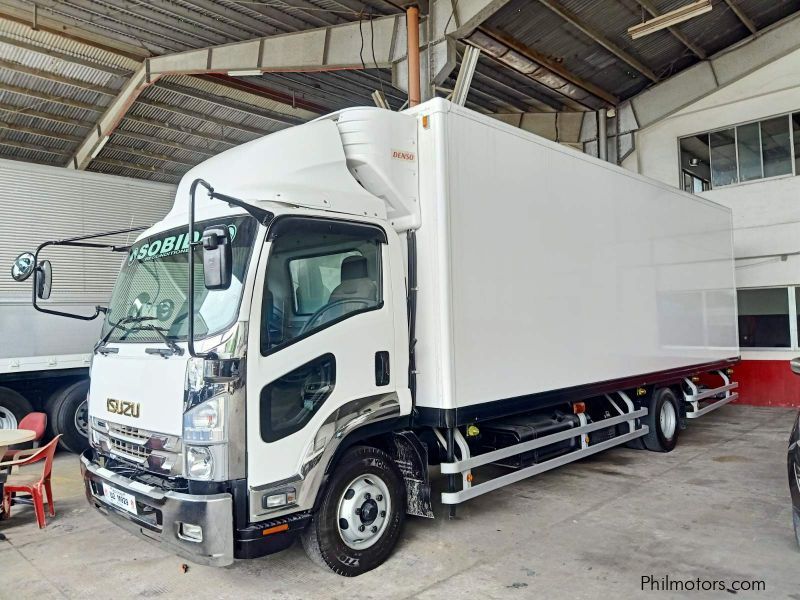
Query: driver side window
(320, 272)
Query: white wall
(766, 214)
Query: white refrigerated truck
(376, 292)
(44, 359)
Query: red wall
(767, 383)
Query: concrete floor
(716, 508)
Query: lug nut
(379, 497)
(374, 529)
(361, 528)
(367, 496)
(383, 513)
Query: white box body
(544, 269)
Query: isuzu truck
(328, 311)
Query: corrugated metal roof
(182, 120)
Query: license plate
(120, 499)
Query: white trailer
(44, 360)
(377, 292)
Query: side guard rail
(695, 396)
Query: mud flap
(411, 457)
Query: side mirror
(217, 258)
(44, 280)
(795, 365)
(23, 266)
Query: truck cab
(221, 444)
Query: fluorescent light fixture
(99, 147)
(245, 73)
(673, 17)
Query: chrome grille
(156, 452)
(130, 451)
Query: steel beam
(12, 65)
(223, 123)
(34, 147)
(589, 31)
(63, 137)
(15, 89)
(207, 152)
(182, 130)
(146, 154)
(65, 57)
(677, 34)
(740, 14)
(38, 114)
(465, 74)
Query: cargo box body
(542, 270)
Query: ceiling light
(694, 162)
(673, 17)
(245, 73)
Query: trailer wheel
(68, 415)
(361, 515)
(13, 406)
(663, 419)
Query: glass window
(764, 318)
(748, 142)
(723, 157)
(314, 279)
(776, 146)
(288, 403)
(796, 133)
(695, 163)
(152, 286)
(319, 273)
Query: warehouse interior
(107, 105)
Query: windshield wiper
(173, 347)
(100, 346)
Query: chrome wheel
(668, 420)
(364, 511)
(7, 419)
(82, 418)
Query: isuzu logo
(123, 407)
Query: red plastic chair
(24, 483)
(35, 421)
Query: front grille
(130, 451)
(133, 433)
(156, 452)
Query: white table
(9, 437)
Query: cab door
(322, 337)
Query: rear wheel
(13, 406)
(69, 416)
(361, 515)
(663, 419)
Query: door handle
(382, 375)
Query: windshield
(150, 292)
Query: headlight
(205, 422)
(199, 463)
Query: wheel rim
(364, 511)
(8, 419)
(82, 418)
(668, 420)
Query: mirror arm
(190, 295)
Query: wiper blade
(167, 340)
(118, 325)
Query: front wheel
(361, 515)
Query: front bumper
(161, 512)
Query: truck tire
(13, 406)
(361, 514)
(68, 416)
(663, 419)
